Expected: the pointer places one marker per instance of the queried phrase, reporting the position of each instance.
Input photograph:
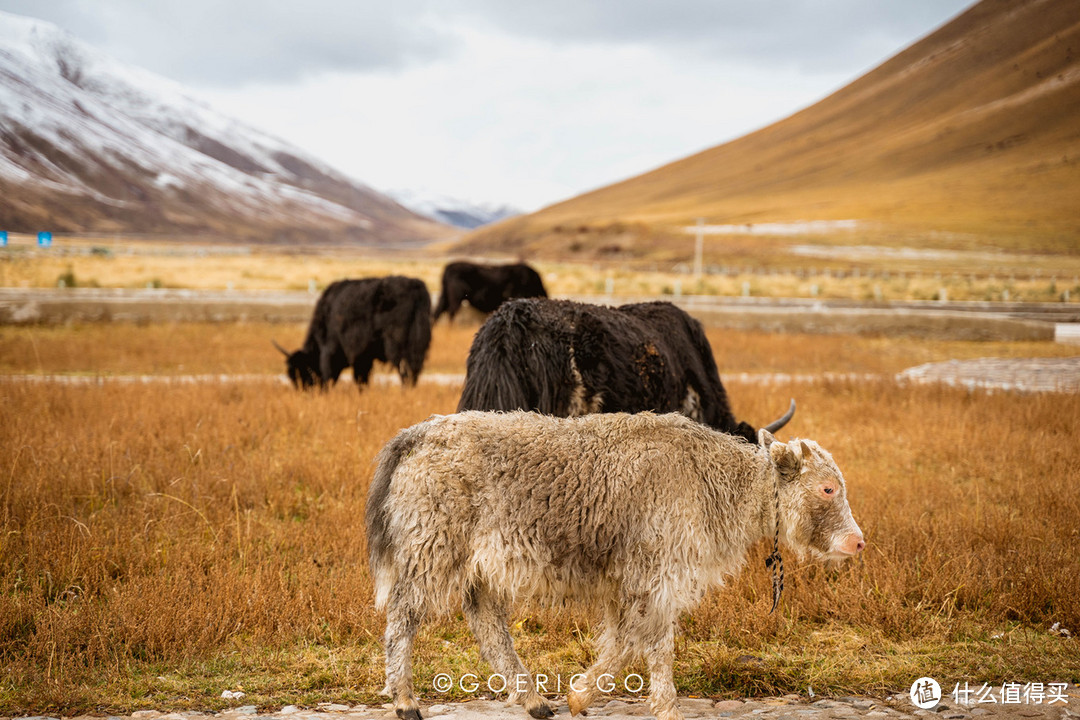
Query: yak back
(564, 358)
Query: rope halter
(774, 560)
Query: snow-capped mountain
(452, 211)
(88, 143)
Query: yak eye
(828, 489)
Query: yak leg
(659, 648)
(613, 655)
(326, 367)
(488, 620)
(402, 622)
(408, 372)
(395, 351)
(407, 366)
(453, 304)
(331, 363)
(361, 369)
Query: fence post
(699, 244)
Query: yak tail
(714, 399)
(377, 516)
(515, 364)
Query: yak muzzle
(848, 545)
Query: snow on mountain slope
(452, 211)
(90, 143)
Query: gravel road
(789, 707)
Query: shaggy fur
(357, 322)
(567, 359)
(639, 514)
(485, 286)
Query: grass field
(164, 543)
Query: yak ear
(787, 457)
(765, 438)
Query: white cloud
(229, 43)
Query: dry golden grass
(185, 348)
(164, 543)
(188, 265)
(157, 525)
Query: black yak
(485, 286)
(357, 322)
(567, 359)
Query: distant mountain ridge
(973, 130)
(453, 211)
(90, 144)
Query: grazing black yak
(485, 286)
(357, 322)
(565, 358)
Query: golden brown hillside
(974, 131)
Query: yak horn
(286, 352)
(781, 422)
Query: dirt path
(1066, 704)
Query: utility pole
(698, 246)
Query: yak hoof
(542, 711)
(576, 703)
(409, 714)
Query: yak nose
(853, 543)
(857, 536)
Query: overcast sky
(502, 101)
